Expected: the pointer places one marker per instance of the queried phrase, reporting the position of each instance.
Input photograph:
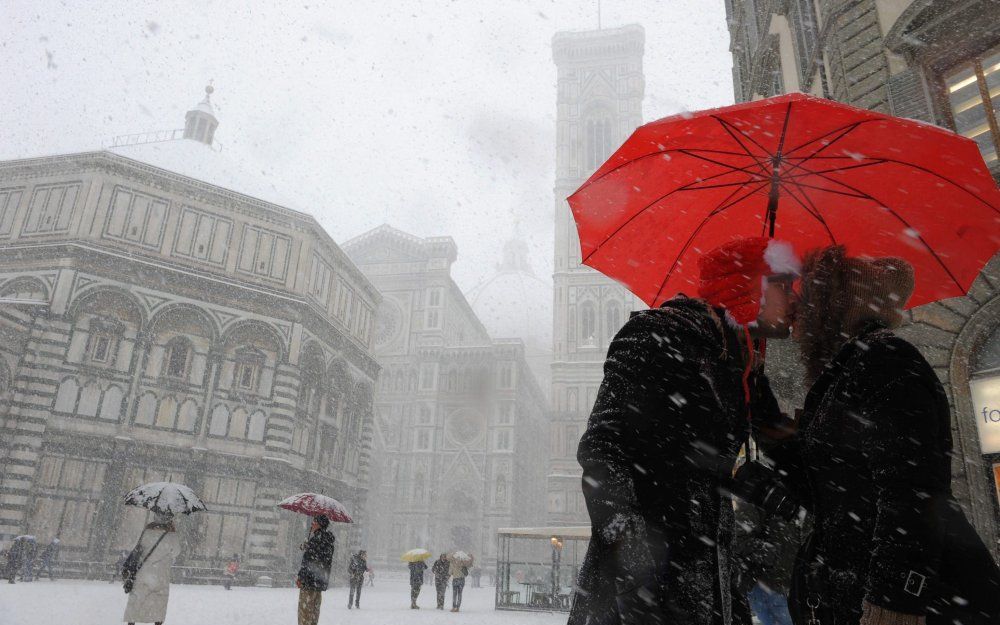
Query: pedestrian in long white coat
(147, 603)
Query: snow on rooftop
(199, 161)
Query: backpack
(134, 562)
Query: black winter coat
(663, 435)
(872, 465)
(314, 573)
(417, 573)
(357, 567)
(441, 570)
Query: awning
(571, 533)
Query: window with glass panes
(974, 95)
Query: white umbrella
(165, 498)
(461, 556)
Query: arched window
(166, 414)
(588, 322)
(238, 424)
(257, 422)
(66, 397)
(599, 141)
(177, 358)
(246, 375)
(188, 416)
(147, 409)
(613, 319)
(111, 405)
(90, 400)
(220, 421)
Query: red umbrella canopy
(799, 168)
(313, 505)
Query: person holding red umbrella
(671, 415)
(314, 574)
(871, 461)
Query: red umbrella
(795, 167)
(313, 505)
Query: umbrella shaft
(772, 208)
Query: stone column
(140, 360)
(213, 371)
(33, 391)
(280, 423)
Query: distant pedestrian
(314, 574)
(117, 570)
(440, 570)
(477, 574)
(149, 588)
(371, 577)
(14, 558)
(30, 550)
(356, 573)
(417, 570)
(458, 570)
(49, 555)
(232, 570)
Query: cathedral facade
(155, 326)
(460, 434)
(600, 91)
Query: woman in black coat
(872, 463)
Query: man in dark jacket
(416, 581)
(664, 433)
(440, 570)
(14, 559)
(314, 573)
(356, 573)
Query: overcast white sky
(435, 116)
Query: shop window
(973, 91)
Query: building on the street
(599, 104)
(188, 327)
(938, 62)
(460, 434)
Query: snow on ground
(388, 603)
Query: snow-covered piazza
(387, 603)
(597, 312)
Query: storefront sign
(986, 411)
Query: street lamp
(557, 546)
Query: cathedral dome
(514, 302)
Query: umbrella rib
(903, 221)
(660, 153)
(716, 211)
(733, 168)
(810, 208)
(652, 204)
(834, 191)
(727, 126)
(811, 172)
(844, 130)
(945, 178)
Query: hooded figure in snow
(871, 461)
(147, 602)
(314, 573)
(680, 382)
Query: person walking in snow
(150, 591)
(232, 570)
(14, 558)
(871, 460)
(416, 581)
(49, 555)
(458, 570)
(680, 384)
(28, 558)
(314, 573)
(119, 563)
(440, 571)
(371, 577)
(356, 573)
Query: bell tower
(599, 104)
(200, 122)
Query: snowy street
(100, 603)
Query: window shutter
(908, 96)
